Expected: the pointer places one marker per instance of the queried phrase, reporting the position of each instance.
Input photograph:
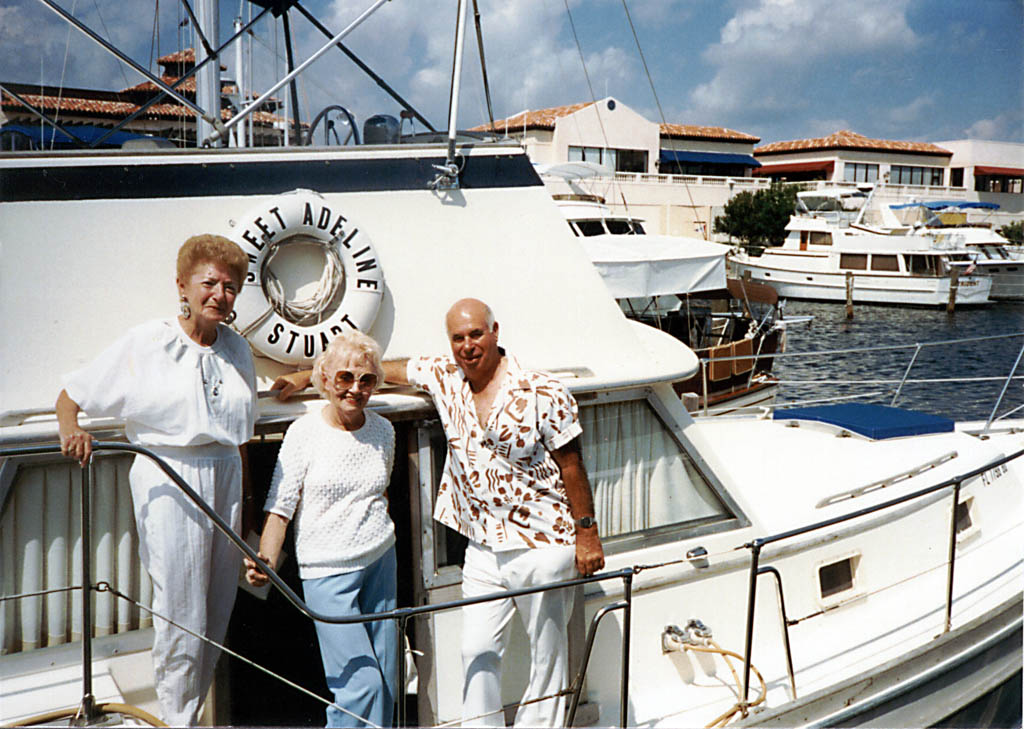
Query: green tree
(1013, 232)
(759, 219)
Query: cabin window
(854, 261)
(963, 516)
(618, 227)
(837, 577)
(640, 475)
(860, 172)
(591, 227)
(881, 262)
(921, 265)
(572, 227)
(819, 238)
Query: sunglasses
(344, 378)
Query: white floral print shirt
(501, 487)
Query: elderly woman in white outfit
(185, 388)
(331, 479)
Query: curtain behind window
(640, 476)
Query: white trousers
(193, 566)
(485, 629)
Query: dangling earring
(186, 310)
(230, 317)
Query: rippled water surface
(875, 326)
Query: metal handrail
(755, 546)
(400, 615)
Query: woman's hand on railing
(254, 575)
(76, 443)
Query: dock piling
(849, 294)
(954, 285)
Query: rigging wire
(661, 113)
(593, 99)
(120, 66)
(60, 87)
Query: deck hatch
(874, 421)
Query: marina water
(883, 326)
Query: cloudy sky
(927, 70)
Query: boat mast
(208, 78)
(448, 173)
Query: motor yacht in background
(826, 251)
(973, 246)
(784, 570)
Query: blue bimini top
(874, 421)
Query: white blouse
(333, 484)
(170, 390)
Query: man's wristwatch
(586, 522)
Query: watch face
(586, 522)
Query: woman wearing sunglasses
(331, 476)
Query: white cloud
(1007, 127)
(913, 111)
(767, 52)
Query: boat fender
(263, 318)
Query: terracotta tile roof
(845, 139)
(533, 118)
(186, 58)
(187, 55)
(116, 109)
(187, 86)
(689, 131)
(546, 118)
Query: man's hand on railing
(254, 575)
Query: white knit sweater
(332, 484)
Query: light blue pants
(359, 658)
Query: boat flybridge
(826, 252)
(826, 565)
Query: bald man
(514, 484)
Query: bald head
(465, 311)
(473, 336)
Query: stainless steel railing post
(627, 614)
(952, 558)
(87, 709)
(748, 642)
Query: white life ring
(266, 227)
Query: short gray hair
(352, 342)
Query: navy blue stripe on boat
(205, 177)
(874, 421)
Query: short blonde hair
(209, 248)
(347, 343)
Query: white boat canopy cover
(652, 265)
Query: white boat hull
(867, 288)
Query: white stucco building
(676, 177)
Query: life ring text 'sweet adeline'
(305, 213)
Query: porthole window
(837, 579)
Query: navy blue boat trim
(205, 179)
(874, 421)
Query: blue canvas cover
(874, 421)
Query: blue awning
(874, 421)
(47, 136)
(943, 204)
(668, 156)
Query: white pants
(485, 626)
(193, 566)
